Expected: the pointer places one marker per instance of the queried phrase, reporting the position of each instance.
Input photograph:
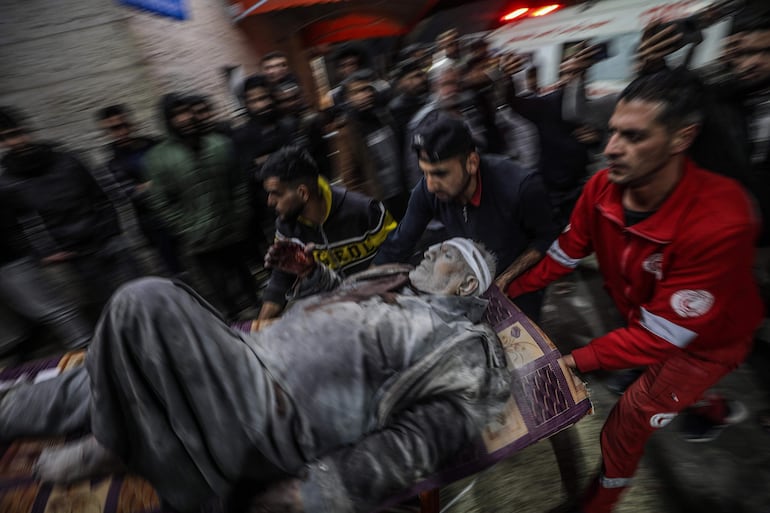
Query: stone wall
(63, 60)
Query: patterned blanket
(546, 398)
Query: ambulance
(618, 23)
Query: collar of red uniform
(476, 198)
(610, 204)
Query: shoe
(699, 429)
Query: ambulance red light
(548, 9)
(518, 13)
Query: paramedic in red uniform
(675, 245)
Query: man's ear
(468, 286)
(303, 191)
(684, 138)
(472, 162)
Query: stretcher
(545, 399)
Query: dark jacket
(13, 244)
(514, 214)
(376, 154)
(563, 159)
(346, 241)
(127, 167)
(57, 201)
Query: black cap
(441, 136)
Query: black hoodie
(56, 200)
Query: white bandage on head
(474, 259)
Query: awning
(351, 26)
(239, 9)
(330, 21)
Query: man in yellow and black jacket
(346, 228)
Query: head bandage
(474, 259)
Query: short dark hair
(273, 55)
(442, 135)
(10, 118)
(291, 165)
(254, 82)
(118, 109)
(679, 90)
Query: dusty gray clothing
(27, 291)
(53, 407)
(362, 397)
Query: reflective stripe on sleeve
(560, 256)
(614, 482)
(667, 330)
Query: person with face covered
(345, 227)
(369, 136)
(412, 89)
(62, 211)
(261, 135)
(304, 124)
(197, 191)
(448, 94)
(353, 396)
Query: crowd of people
(443, 151)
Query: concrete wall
(63, 60)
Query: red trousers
(650, 403)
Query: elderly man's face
(442, 271)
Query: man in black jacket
(345, 227)
(126, 164)
(65, 214)
(28, 298)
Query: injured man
(360, 390)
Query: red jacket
(682, 277)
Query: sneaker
(698, 429)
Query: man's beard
(292, 215)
